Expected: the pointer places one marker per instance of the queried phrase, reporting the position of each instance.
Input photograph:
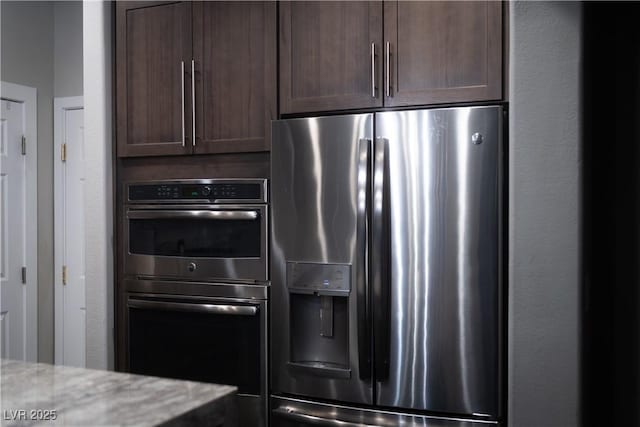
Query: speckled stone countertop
(37, 394)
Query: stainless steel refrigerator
(386, 268)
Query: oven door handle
(235, 310)
(190, 214)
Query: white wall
(99, 201)
(42, 48)
(544, 214)
(67, 48)
(27, 59)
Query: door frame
(28, 96)
(60, 106)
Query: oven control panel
(210, 191)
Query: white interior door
(13, 299)
(70, 229)
(18, 222)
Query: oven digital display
(212, 191)
(191, 191)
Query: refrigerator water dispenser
(319, 318)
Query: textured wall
(27, 59)
(544, 214)
(98, 202)
(67, 59)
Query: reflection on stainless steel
(318, 172)
(463, 223)
(318, 183)
(208, 214)
(239, 310)
(296, 412)
(444, 230)
(320, 369)
(415, 211)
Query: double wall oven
(196, 283)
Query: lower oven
(210, 332)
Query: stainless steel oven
(201, 331)
(197, 229)
(196, 282)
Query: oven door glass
(195, 233)
(217, 342)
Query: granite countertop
(38, 394)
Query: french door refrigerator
(386, 268)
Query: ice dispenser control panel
(319, 279)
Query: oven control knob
(192, 267)
(206, 191)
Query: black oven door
(203, 243)
(217, 340)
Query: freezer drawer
(295, 412)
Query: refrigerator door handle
(381, 259)
(362, 285)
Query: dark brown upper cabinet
(330, 55)
(441, 52)
(195, 77)
(153, 53)
(235, 68)
(336, 56)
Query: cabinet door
(235, 75)
(326, 60)
(153, 46)
(441, 52)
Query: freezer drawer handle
(237, 310)
(294, 415)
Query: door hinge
(23, 145)
(63, 153)
(24, 275)
(64, 274)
